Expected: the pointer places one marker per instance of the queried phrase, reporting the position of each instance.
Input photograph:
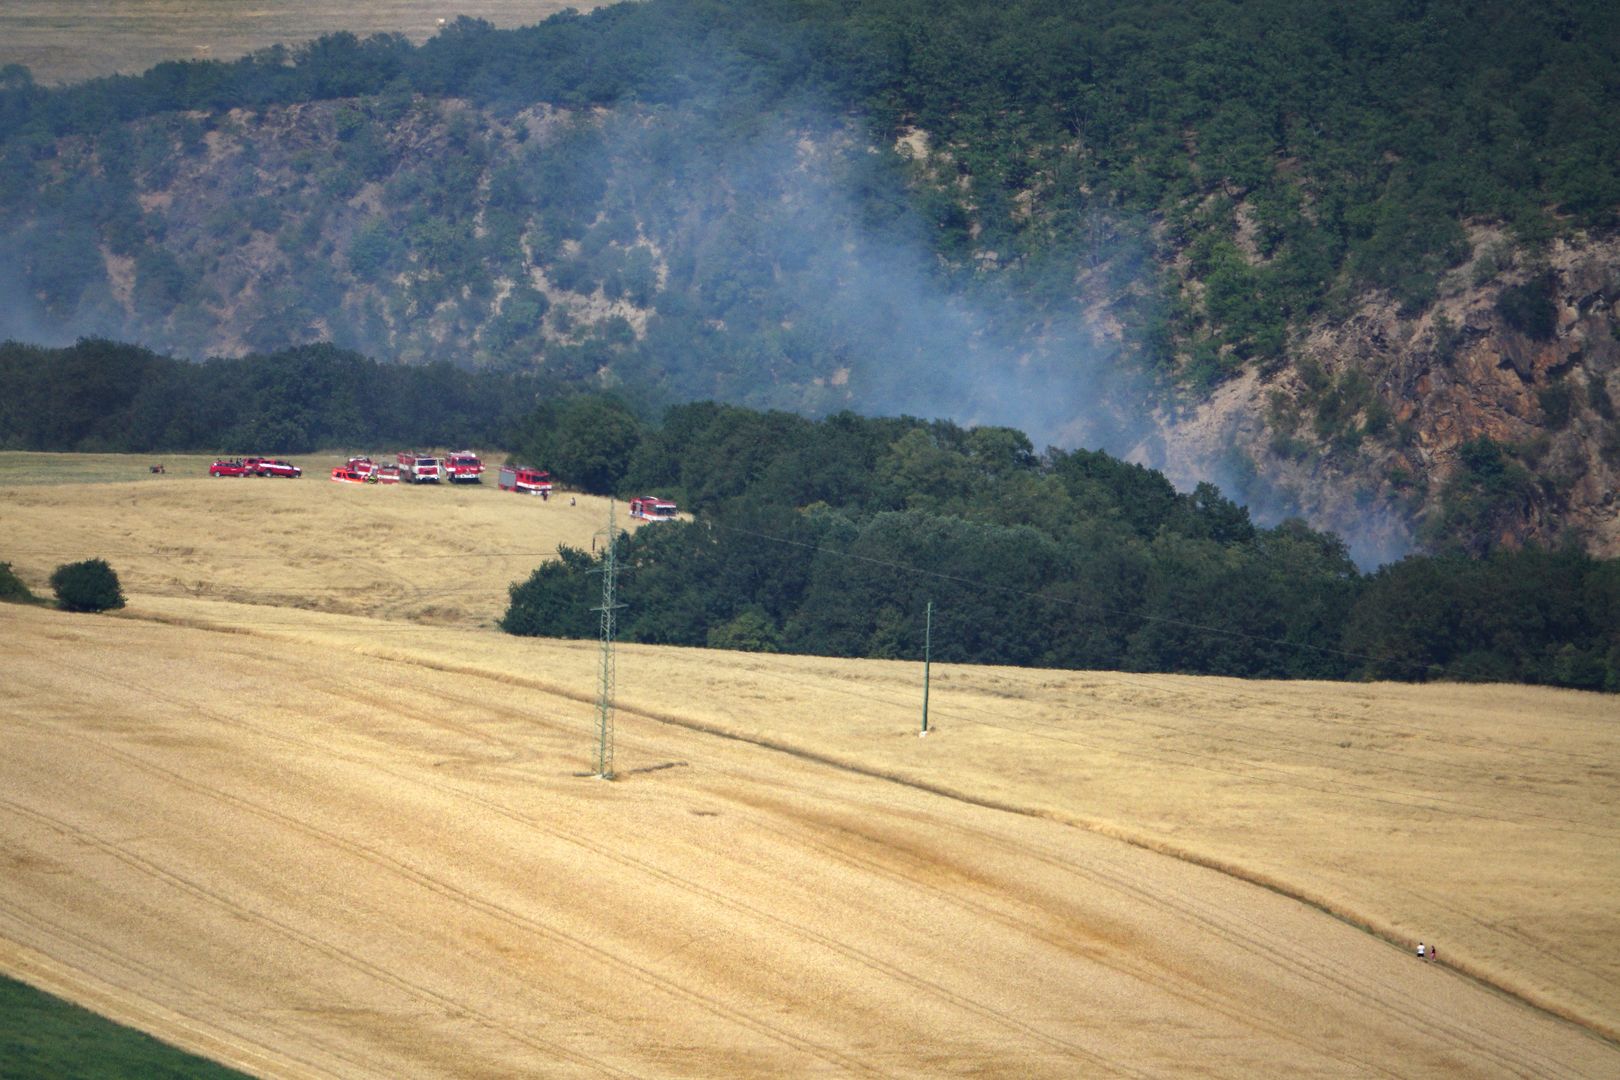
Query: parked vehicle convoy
(232, 467)
(525, 481)
(652, 508)
(463, 467)
(417, 468)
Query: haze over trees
(1070, 221)
(813, 205)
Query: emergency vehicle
(463, 467)
(418, 469)
(525, 481)
(652, 508)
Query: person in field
(1420, 950)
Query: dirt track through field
(299, 809)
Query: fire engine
(418, 469)
(525, 481)
(651, 508)
(463, 467)
(362, 465)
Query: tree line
(829, 537)
(106, 396)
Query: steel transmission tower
(604, 682)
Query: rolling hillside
(313, 842)
(1319, 256)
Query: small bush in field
(90, 585)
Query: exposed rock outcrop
(1361, 432)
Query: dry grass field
(434, 552)
(69, 42)
(354, 832)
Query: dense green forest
(830, 536)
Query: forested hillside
(1335, 256)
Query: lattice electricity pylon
(605, 681)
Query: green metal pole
(927, 656)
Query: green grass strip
(44, 1036)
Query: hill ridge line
(1371, 927)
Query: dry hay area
(90, 38)
(435, 552)
(313, 843)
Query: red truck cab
(417, 468)
(463, 467)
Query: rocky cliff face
(1372, 428)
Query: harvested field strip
(346, 866)
(1416, 771)
(786, 879)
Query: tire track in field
(601, 852)
(850, 952)
(1376, 998)
(1220, 921)
(1239, 873)
(211, 897)
(1527, 998)
(203, 894)
(208, 1039)
(1191, 994)
(704, 1001)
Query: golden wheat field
(83, 39)
(311, 828)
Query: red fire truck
(463, 467)
(525, 481)
(418, 469)
(651, 508)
